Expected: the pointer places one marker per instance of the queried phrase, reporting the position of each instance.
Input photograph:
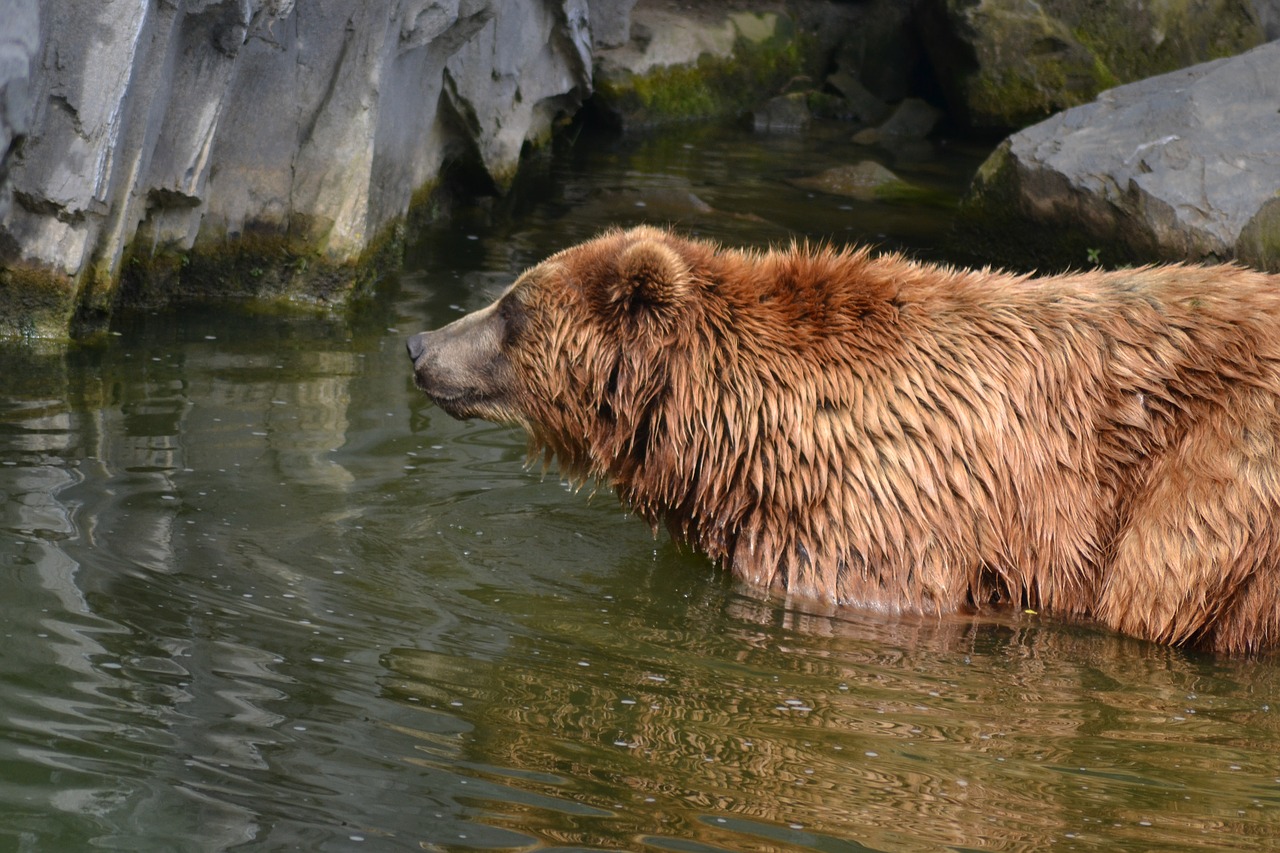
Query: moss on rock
(262, 265)
(1134, 41)
(35, 302)
(1006, 63)
(763, 60)
(267, 265)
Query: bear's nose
(417, 346)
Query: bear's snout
(417, 345)
(462, 368)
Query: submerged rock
(862, 106)
(911, 120)
(783, 114)
(865, 181)
(1181, 166)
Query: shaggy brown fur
(907, 437)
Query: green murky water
(260, 595)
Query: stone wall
(298, 133)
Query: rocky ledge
(262, 147)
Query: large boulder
(265, 147)
(1004, 64)
(1184, 166)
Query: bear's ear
(650, 275)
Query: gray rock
(663, 37)
(695, 61)
(19, 41)
(1181, 166)
(610, 22)
(203, 123)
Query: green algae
(1165, 37)
(35, 302)
(262, 264)
(714, 86)
(1028, 61)
(266, 265)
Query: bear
(882, 433)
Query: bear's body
(905, 437)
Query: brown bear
(911, 438)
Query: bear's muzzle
(462, 368)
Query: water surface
(261, 595)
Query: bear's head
(580, 350)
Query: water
(261, 595)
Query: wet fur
(907, 437)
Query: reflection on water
(261, 595)
(736, 732)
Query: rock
(1184, 166)
(610, 22)
(1268, 12)
(218, 148)
(699, 61)
(783, 114)
(882, 50)
(911, 122)
(911, 119)
(865, 181)
(19, 42)
(1007, 63)
(867, 136)
(863, 106)
(664, 38)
